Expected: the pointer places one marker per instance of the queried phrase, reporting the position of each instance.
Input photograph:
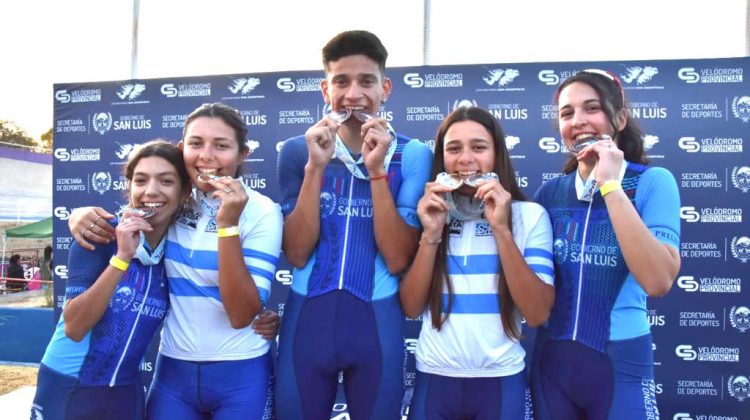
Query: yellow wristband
(118, 263)
(609, 186)
(229, 231)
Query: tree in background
(11, 135)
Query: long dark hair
(230, 116)
(612, 98)
(504, 169)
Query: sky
(43, 42)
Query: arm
(414, 289)
(533, 297)
(90, 224)
(85, 310)
(395, 238)
(653, 263)
(302, 228)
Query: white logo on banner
(741, 248)
(101, 182)
(252, 145)
(682, 416)
(689, 214)
(741, 107)
(410, 344)
(688, 74)
(639, 75)
(458, 103)
(243, 85)
(125, 149)
(685, 352)
(102, 122)
(285, 84)
(738, 387)
(512, 141)
(62, 96)
(61, 213)
(284, 277)
(61, 271)
(502, 77)
(131, 91)
(739, 317)
(649, 140)
(413, 80)
(689, 144)
(741, 178)
(548, 77)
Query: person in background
(220, 258)
(616, 231)
(15, 271)
(484, 261)
(46, 264)
(349, 189)
(115, 300)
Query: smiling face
(581, 115)
(355, 82)
(468, 149)
(210, 146)
(156, 184)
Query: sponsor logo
(305, 84)
(254, 117)
(682, 416)
(101, 122)
(649, 141)
(296, 116)
(710, 284)
(704, 110)
(80, 154)
(739, 317)
(512, 141)
(61, 271)
(243, 85)
(327, 203)
(738, 387)
(711, 215)
(62, 213)
(279, 145)
(508, 111)
(101, 182)
(647, 110)
(715, 75)
(552, 145)
(424, 113)
(741, 108)
(185, 90)
(284, 277)
(552, 78)
(255, 181)
(740, 247)
(639, 76)
(458, 103)
(434, 80)
(125, 149)
(69, 184)
(80, 95)
(499, 79)
(700, 250)
(131, 91)
(704, 319)
(741, 178)
(121, 300)
(697, 387)
(173, 120)
(656, 320)
(70, 126)
(702, 180)
(708, 354)
(711, 144)
(410, 344)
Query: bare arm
(395, 239)
(414, 289)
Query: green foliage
(11, 134)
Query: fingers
(82, 240)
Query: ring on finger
(228, 190)
(91, 226)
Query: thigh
(308, 373)
(53, 391)
(173, 390)
(436, 397)
(93, 403)
(500, 398)
(634, 387)
(373, 381)
(239, 389)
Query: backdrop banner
(695, 115)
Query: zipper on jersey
(346, 232)
(132, 330)
(580, 270)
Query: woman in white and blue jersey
(115, 299)
(220, 259)
(617, 231)
(484, 261)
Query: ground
(13, 377)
